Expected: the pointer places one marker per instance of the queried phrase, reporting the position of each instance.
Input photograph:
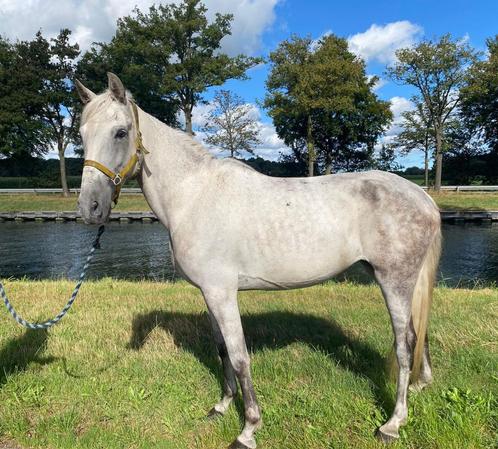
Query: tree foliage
(437, 69)
(417, 133)
(22, 133)
(169, 56)
(138, 52)
(322, 103)
(385, 159)
(480, 96)
(39, 76)
(230, 125)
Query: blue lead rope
(50, 323)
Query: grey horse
(232, 228)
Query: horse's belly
(285, 268)
(248, 282)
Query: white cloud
(398, 106)
(380, 42)
(94, 20)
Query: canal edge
(149, 217)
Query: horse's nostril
(95, 206)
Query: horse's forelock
(98, 104)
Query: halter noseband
(119, 178)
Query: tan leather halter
(119, 178)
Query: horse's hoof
(214, 414)
(386, 437)
(239, 445)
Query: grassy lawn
(28, 202)
(133, 366)
(54, 202)
(467, 200)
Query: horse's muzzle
(93, 212)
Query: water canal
(140, 251)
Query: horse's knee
(242, 366)
(253, 414)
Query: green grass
(466, 201)
(56, 202)
(30, 202)
(133, 366)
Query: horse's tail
(422, 300)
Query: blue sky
(472, 21)
(475, 20)
(374, 31)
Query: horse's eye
(122, 133)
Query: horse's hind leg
(222, 303)
(398, 300)
(230, 382)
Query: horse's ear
(85, 94)
(116, 87)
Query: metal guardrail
(136, 190)
(468, 188)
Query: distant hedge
(32, 167)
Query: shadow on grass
(271, 330)
(19, 352)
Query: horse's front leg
(222, 304)
(230, 382)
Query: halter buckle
(117, 180)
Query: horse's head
(110, 146)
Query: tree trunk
(188, 120)
(311, 149)
(62, 164)
(439, 159)
(328, 164)
(426, 168)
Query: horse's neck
(174, 171)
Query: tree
(62, 107)
(177, 51)
(480, 96)
(55, 64)
(386, 159)
(417, 134)
(39, 107)
(322, 104)
(139, 54)
(437, 69)
(464, 151)
(230, 125)
(22, 134)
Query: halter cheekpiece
(120, 177)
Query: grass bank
(29, 202)
(133, 366)
(55, 202)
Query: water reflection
(141, 251)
